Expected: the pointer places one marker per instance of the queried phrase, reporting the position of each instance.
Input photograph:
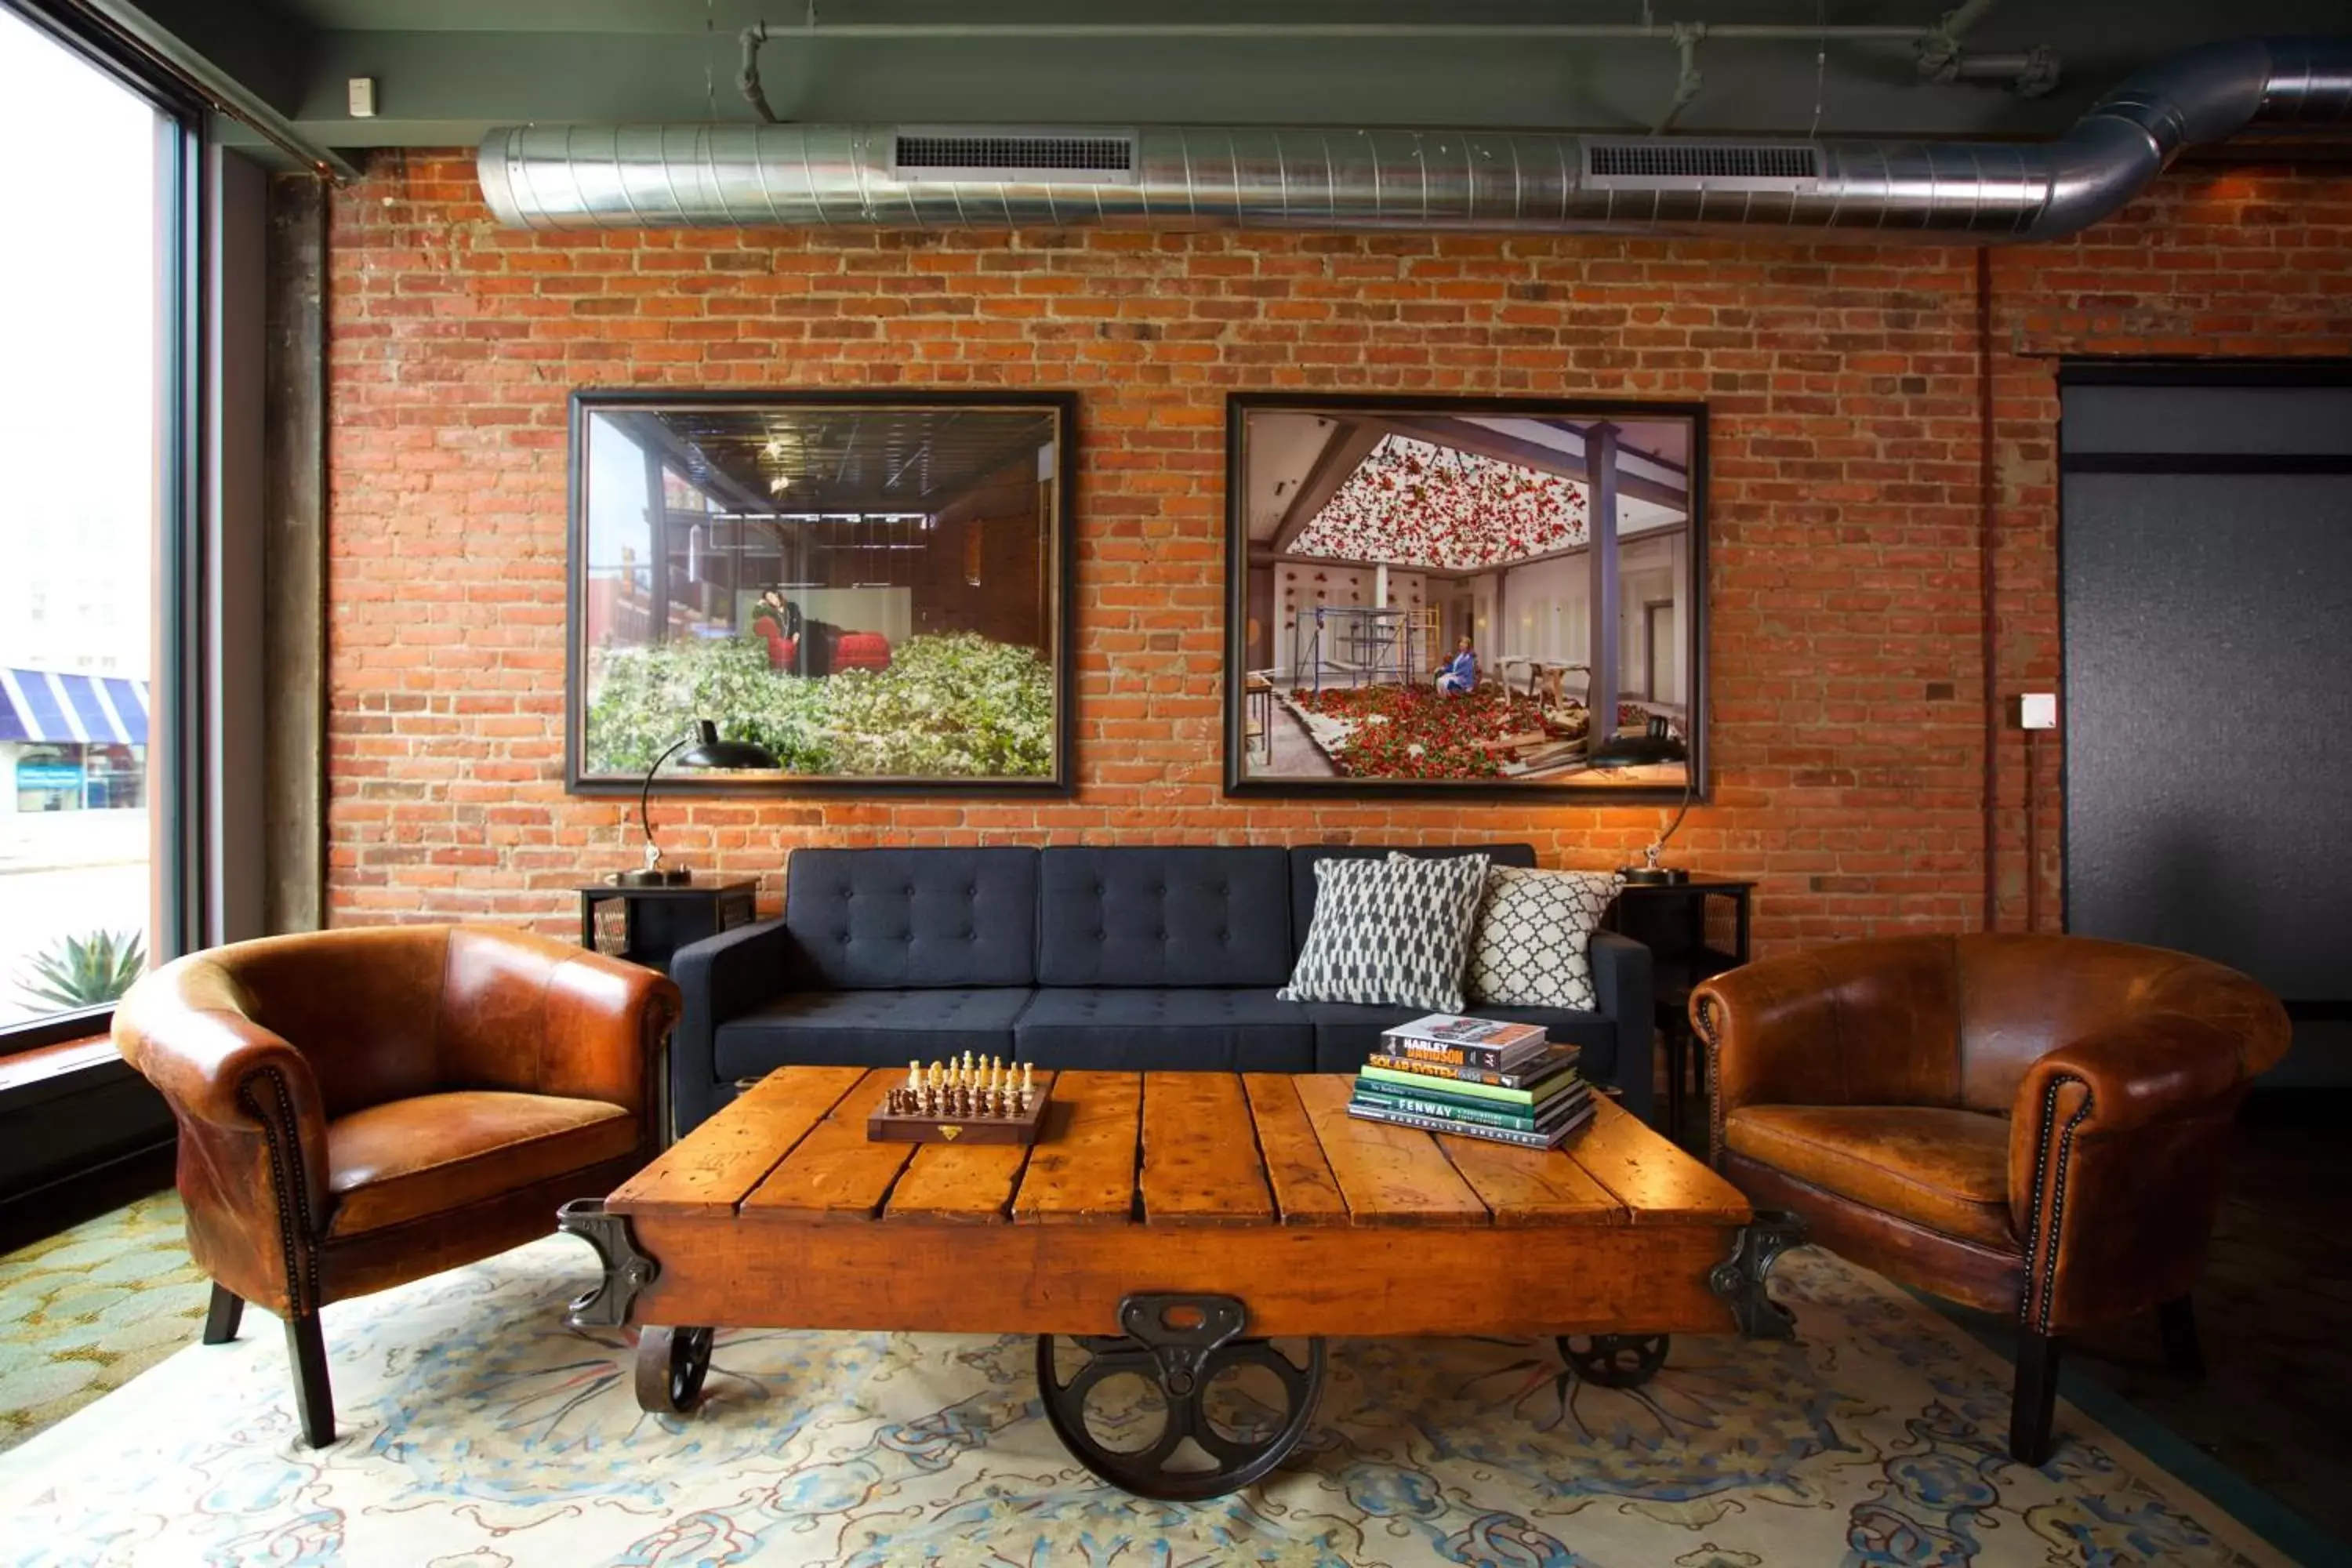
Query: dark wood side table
(1693, 929)
(656, 921)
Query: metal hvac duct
(889, 176)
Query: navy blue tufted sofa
(1138, 958)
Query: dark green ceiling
(447, 69)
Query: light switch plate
(362, 97)
(2037, 711)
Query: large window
(88, 441)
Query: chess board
(881, 1126)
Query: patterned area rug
(90, 1308)
(479, 1433)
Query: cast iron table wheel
(1182, 1345)
(1615, 1361)
(671, 1364)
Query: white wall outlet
(362, 97)
(2037, 711)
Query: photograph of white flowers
(873, 589)
(1420, 599)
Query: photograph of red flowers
(1422, 596)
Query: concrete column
(1601, 596)
(294, 554)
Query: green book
(1551, 1138)
(1483, 1115)
(1412, 1082)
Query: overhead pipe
(1687, 80)
(1362, 178)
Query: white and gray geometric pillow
(1394, 932)
(1533, 927)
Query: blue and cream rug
(479, 1433)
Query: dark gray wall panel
(2209, 718)
(2234, 420)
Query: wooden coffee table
(1172, 1225)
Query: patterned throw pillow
(1533, 927)
(1394, 932)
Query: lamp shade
(709, 751)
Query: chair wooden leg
(221, 1320)
(2177, 1321)
(2034, 1403)
(314, 1399)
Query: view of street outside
(78, 431)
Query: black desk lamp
(707, 751)
(1655, 744)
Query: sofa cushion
(1195, 1029)
(428, 1155)
(867, 1029)
(896, 919)
(1392, 931)
(1935, 1166)
(1347, 1033)
(1302, 861)
(1191, 915)
(1533, 929)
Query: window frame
(176, 730)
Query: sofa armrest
(2116, 1149)
(719, 978)
(1622, 985)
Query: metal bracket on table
(1181, 1352)
(1740, 1279)
(626, 1270)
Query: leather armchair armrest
(719, 978)
(232, 1085)
(1764, 1026)
(2116, 1149)
(1622, 987)
(604, 1027)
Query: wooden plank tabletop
(710, 1170)
(1657, 1183)
(1166, 1148)
(1389, 1175)
(1083, 1171)
(1304, 1188)
(1201, 1163)
(967, 1184)
(836, 1173)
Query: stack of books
(1475, 1078)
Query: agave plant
(85, 970)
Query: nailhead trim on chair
(293, 1195)
(1708, 1031)
(2041, 1240)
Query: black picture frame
(1059, 573)
(1594, 791)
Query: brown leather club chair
(359, 1108)
(2024, 1124)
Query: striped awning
(46, 705)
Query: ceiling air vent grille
(1656, 165)
(1022, 157)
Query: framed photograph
(874, 588)
(1423, 598)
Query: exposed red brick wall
(1843, 383)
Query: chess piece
(930, 1099)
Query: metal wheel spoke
(1190, 1359)
(1614, 1360)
